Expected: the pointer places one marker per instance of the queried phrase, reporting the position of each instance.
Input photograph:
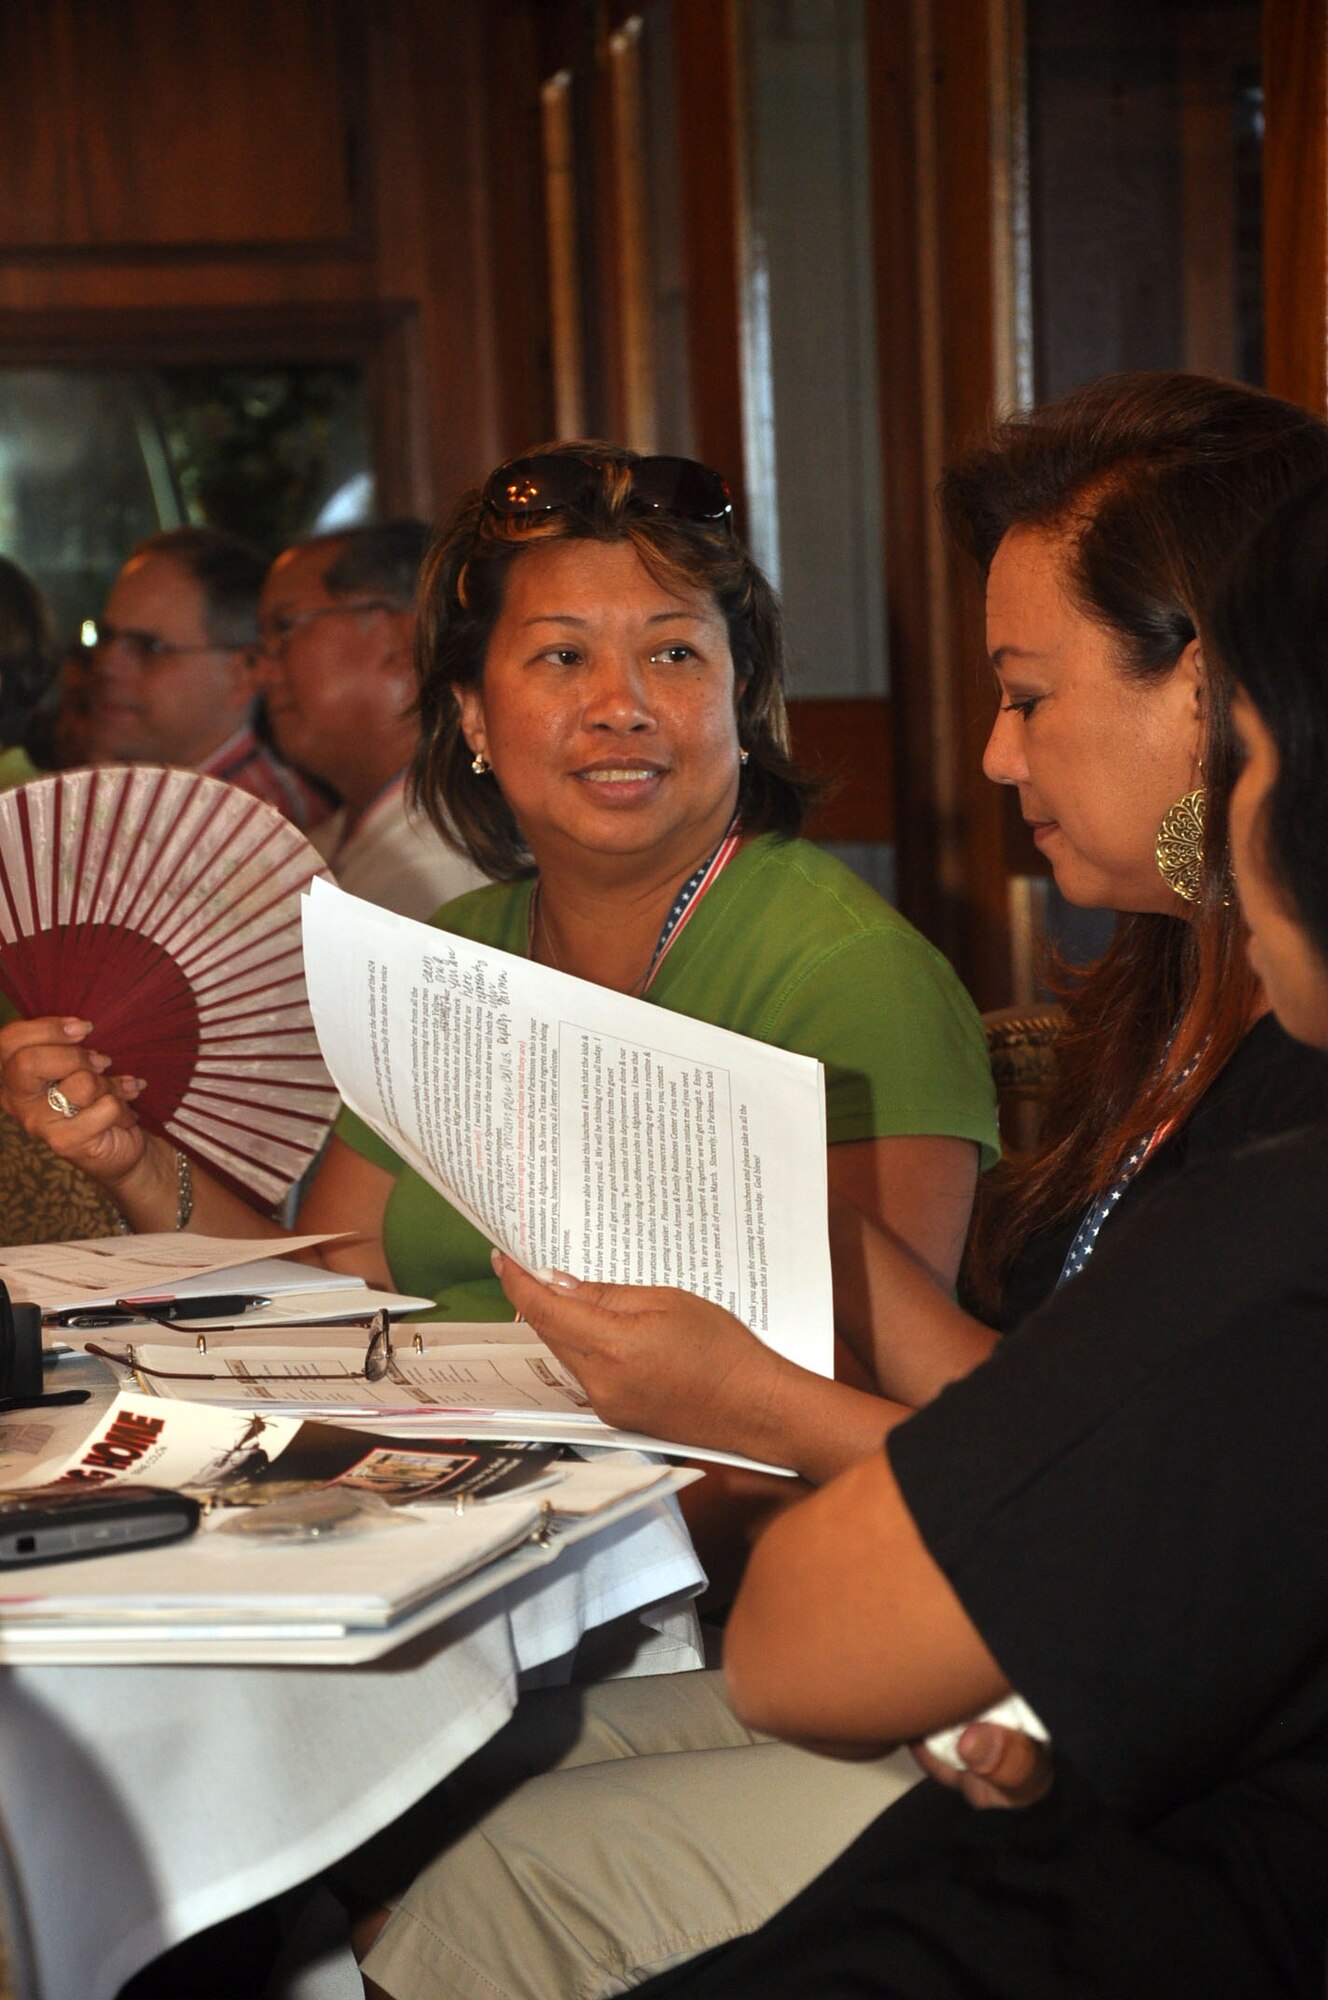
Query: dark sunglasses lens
(535, 486)
(542, 485)
(680, 486)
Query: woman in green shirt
(603, 723)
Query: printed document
(581, 1129)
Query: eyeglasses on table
(378, 1356)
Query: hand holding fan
(164, 907)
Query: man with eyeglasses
(172, 668)
(337, 662)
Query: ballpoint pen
(220, 1305)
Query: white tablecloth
(143, 1804)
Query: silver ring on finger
(57, 1100)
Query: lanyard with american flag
(680, 914)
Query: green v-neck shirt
(789, 947)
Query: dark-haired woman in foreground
(1103, 524)
(1122, 1515)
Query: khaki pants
(658, 1826)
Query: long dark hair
(1149, 481)
(1270, 625)
(462, 588)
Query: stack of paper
(75, 1278)
(352, 1597)
(468, 1519)
(582, 1129)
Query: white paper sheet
(97, 1270)
(487, 1390)
(579, 1128)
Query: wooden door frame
(946, 122)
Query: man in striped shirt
(173, 669)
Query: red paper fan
(164, 907)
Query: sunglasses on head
(546, 482)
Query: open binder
(452, 1377)
(212, 1600)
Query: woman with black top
(1122, 1515)
(1103, 523)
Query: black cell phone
(56, 1524)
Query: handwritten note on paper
(580, 1128)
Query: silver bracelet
(184, 1181)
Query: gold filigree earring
(1180, 845)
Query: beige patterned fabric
(42, 1198)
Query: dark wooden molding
(366, 197)
(159, 336)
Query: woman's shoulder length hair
(1148, 481)
(462, 588)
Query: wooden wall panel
(281, 180)
(936, 82)
(514, 245)
(848, 741)
(170, 124)
(432, 224)
(1295, 63)
(709, 82)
